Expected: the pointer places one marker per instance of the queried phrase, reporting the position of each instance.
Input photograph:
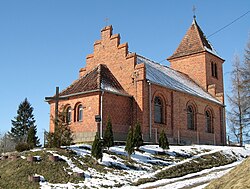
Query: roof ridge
(98, 78)
(150, 60)
(200, 34)
(168, 67)
(174, 79)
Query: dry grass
(14, 173)
(238, 178)
(195, 165)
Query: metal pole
(101, 127)
(214, 139)
(198, 138)
(150, 111)
(178, 136)
(56, 105)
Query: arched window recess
(158, 110)
(191, 117)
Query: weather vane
(106, 21)
(194, 9)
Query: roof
(172, 79)
(99, 78)
(193, 42)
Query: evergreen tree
(22, 122)
(129, 148)
(32, 139)
(138, 141)
(62, 135)
(163, 140)
(108, 135)
(96, 150)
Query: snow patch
(119, 173)
(165, 76)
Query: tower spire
(194, 9)
(106, 21)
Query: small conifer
(96, 150)
(163, 140)
(108, 135)
(129, 148)
(32, 139)
(138, 141)
(62, 135)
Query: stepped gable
(193, 42)
(99, 78)
(172, 79)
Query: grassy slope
(238, 178)
(14, 173)
(193, 166)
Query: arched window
(158, 107)
(79, 113)
(209, 124)
(214, 70)
(190, 117)
(68, 115)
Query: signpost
(98, 119)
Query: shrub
(138, 141)
(62, 135)
(108, 135)
(22, 146)
(96, 150)
(129, 148)
(163, 140)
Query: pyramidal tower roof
(193, 42)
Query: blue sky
(43, 43)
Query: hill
(73, 167)
(238, 178)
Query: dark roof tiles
(193, 42)
(99, 78)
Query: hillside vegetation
(77, 169)
(237, 178)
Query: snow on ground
(192, 179)
(38, 158)
(73, 167)
(36, 149)
(144, 165)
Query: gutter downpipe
(101, 129)
(224, 126)
(150, 111)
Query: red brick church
(186, 100)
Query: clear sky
(43, 43)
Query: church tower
(196, 57)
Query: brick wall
(119, 108)
(91, 108)
(110, 52)
(212, 80)
(194, 66)
(175, 117)
(198, 67)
